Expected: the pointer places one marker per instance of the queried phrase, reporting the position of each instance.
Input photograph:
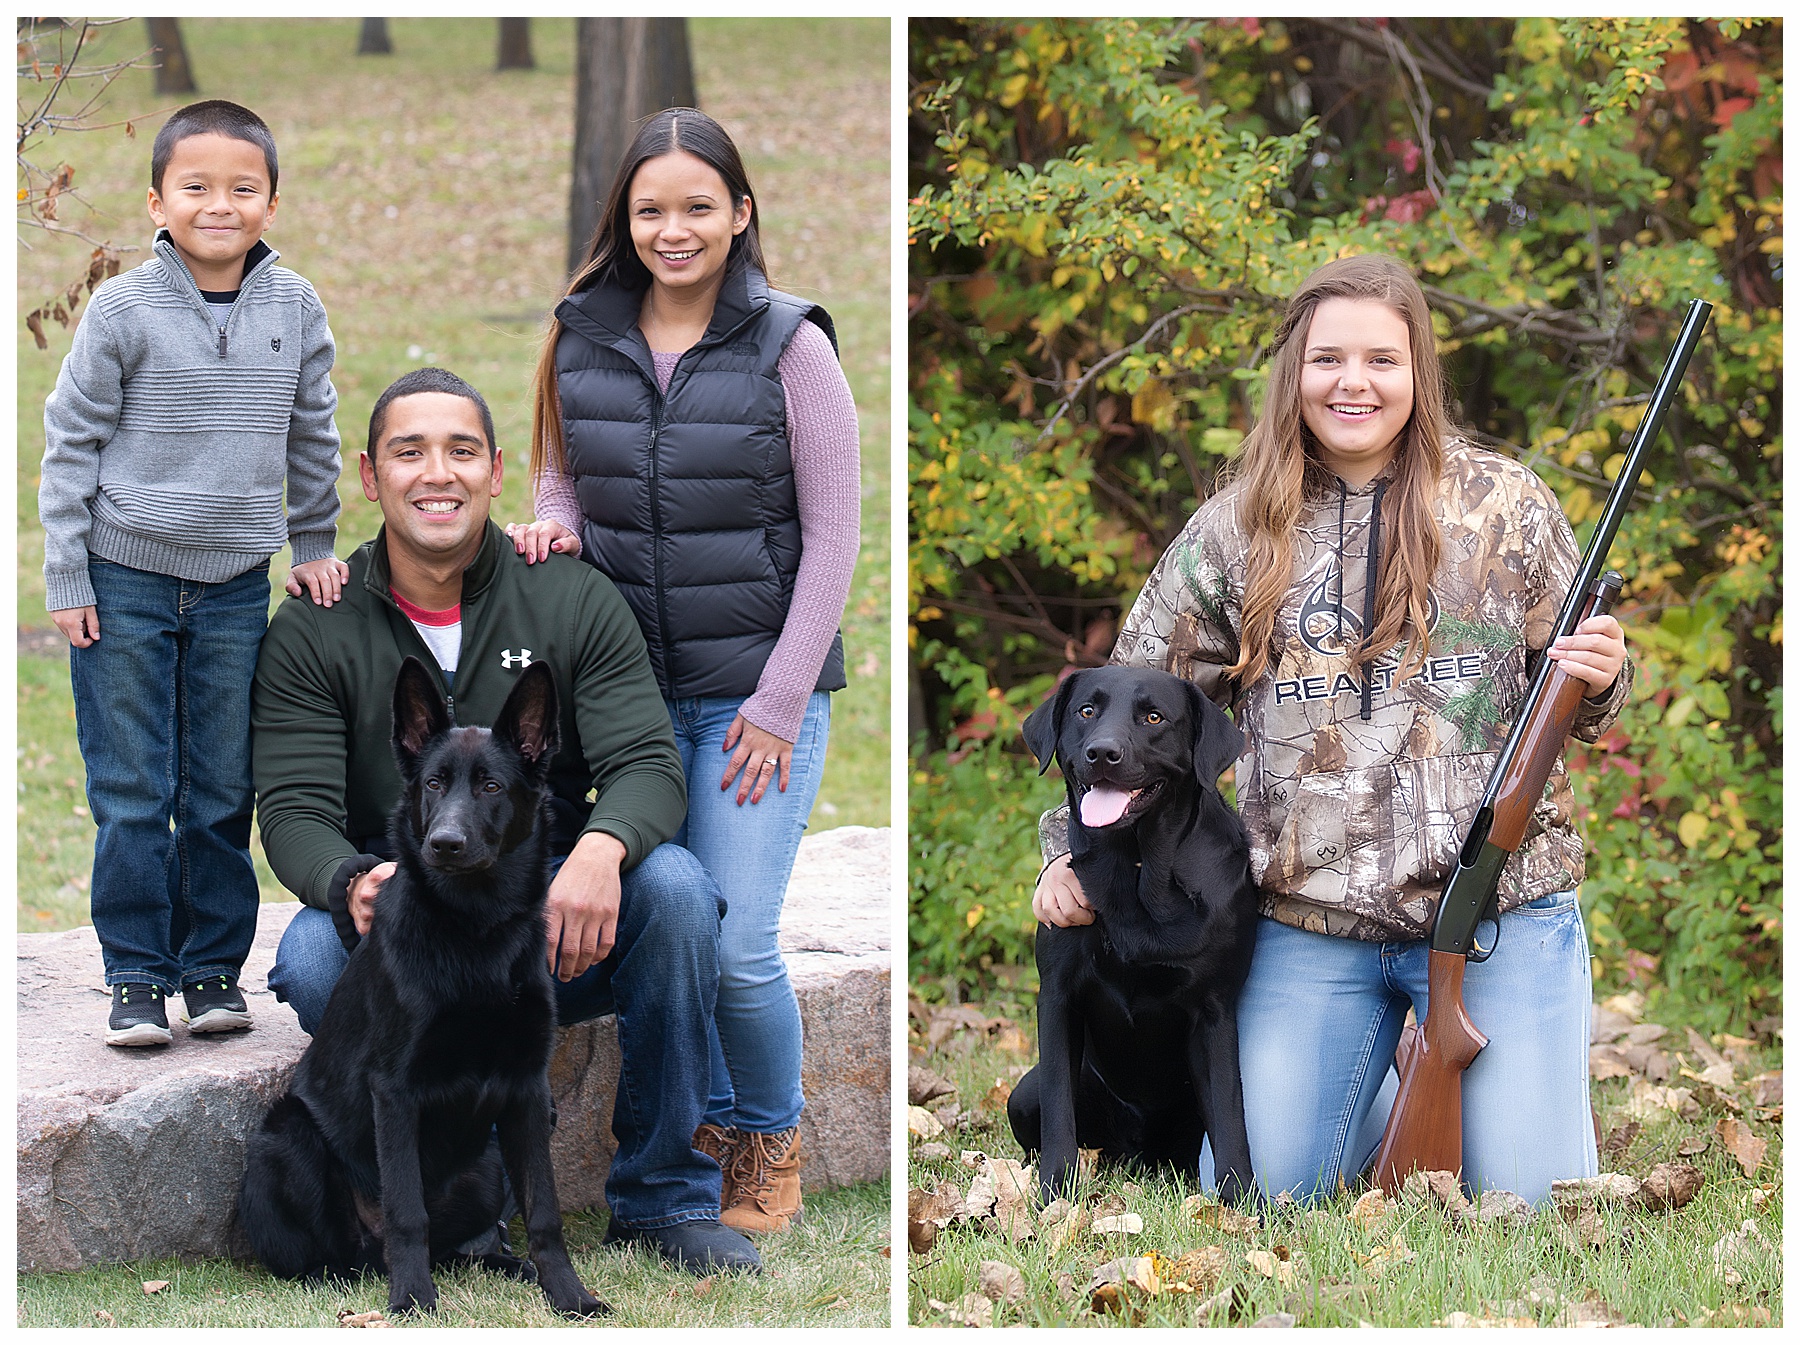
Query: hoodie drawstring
(1368, 621)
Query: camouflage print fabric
(1355, 823)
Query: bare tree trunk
(374, 39)
(515, 45)
(625, 70)
(173, 74)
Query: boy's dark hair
(215, 116)
(427, 380)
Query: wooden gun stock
(1425, 1131)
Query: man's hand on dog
(363, 891)
(582, 915)
(1058, 899)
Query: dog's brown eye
(1086, 712)
(434, 784)
(491, 787)
(1154, 717)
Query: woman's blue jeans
(162, 714)
(1320, 1018)
(660, 979)
(749, 849)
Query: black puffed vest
(687, 498)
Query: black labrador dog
(381, 1154)
(1137, 1025)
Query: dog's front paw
(579, 1303)
(414, 1298)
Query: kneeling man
(633, 922)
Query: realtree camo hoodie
(1357, 791)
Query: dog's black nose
(1105, 749)
(447, 844)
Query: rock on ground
(131, 1154)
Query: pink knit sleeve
(822, 440)
(555, 499)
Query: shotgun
(1424, 1131)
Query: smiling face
(683, 220)
(216, 204)
(434, 476)
(1356, 385)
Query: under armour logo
(510, 660)
(274, 343)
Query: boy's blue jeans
(162, 714)
(660, 979)
(1319, 1020)
(749, 850)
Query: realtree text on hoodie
(170, 436)
(1357, 790)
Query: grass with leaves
(1356, 1259)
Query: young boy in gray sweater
(197, 389)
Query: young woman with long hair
(694, 437)
(1367, 595)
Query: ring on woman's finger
(771, 761)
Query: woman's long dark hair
(611, 258)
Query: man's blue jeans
(1319, 1020)
(749, 849)
(162, 714)
(660, 979)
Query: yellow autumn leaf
(1691, 828)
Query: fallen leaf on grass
(1210, 1214)
(1693, 1144)
(1582, 1227)
(1765, 1089)
(922, 1085)
(1648, 1100)
(998, 1096)
(1607, 1186)
(1000, 1282)
(155, 1286)
(1629, 1005)
(703, 1287)
(1717, 1071)
(1619, 1140)
(932, 1152)
(1606, 1062)
(1745, 1250)
(1198, 1271)
(1503, 1207)
(1059, 1223)
(1442, 1189)
(1737, 1049)
(1119, 1223)
(1231, 1301)
(105, 1318)
(1134, 1272)
(1011, 1039)
(1270, 1266)
(1590, 1311)
(1370, 1209)
(921, 1124)
(1466, 1319)
(1742, 1144)
(958, 1018)
(1002, 1191)
(371, 1318)
(1275, 1319)
(969, 1310)
(1734, 1314)
(1314, 1296)
(1384, 1257)
(1671, 1185)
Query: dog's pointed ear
(1217, 741)
(1043, 726)
(419, 714)
(528, 720)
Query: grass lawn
(425, 197)
(831, 1269)
(1714, 1262)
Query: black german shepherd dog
(1137, 1012)
(381, 1153)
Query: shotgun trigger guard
(1479, 954)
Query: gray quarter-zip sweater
(170, 437)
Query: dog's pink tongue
(1103, 805)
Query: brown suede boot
(766, 1183)
(721, 1145)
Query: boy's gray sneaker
(137, 1017)
(215, 1004)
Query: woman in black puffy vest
(694, 438)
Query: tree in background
(1106, 219)
(625, 70)
(373, 40)
(173, 74)
(515, 45)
